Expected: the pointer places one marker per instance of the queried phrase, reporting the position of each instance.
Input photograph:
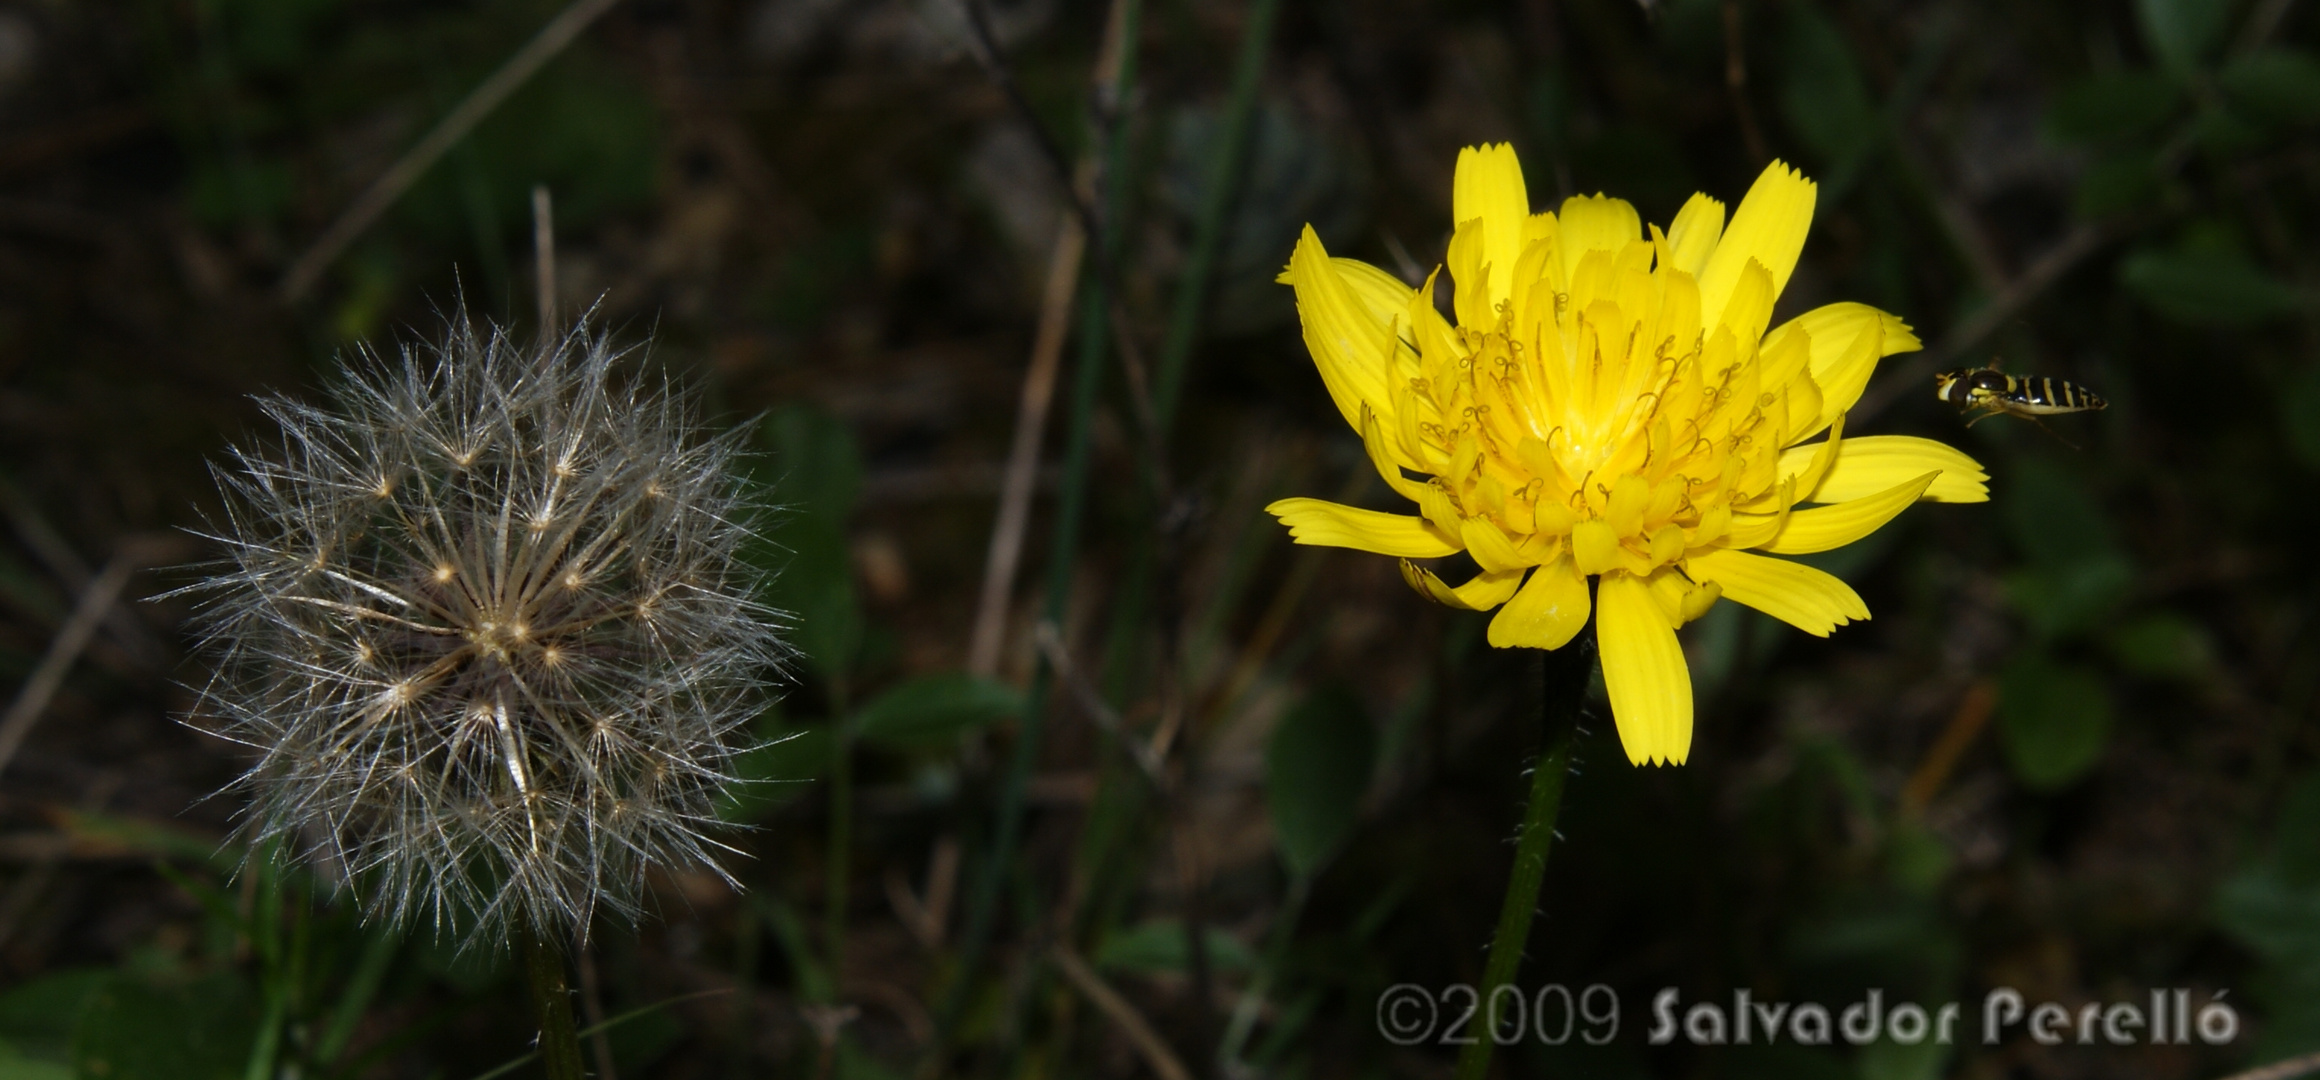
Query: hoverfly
(1988, 392)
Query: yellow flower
(1611, 405)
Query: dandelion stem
(1563, 684)
(552, 999)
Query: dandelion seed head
(486, 624)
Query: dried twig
(1006, 552)
(2304, 1065)
(97, 599)
(41, 538)
(1101, 711)
(1122, 1014)
(1973, 714)
(1083, 207)
(390, 186)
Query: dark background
(827, 215)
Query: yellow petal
(1489, 185)
(1624, 512)
(1548, 612)
(1699, 599)
(1830, 527)
(1388, 301)
(1810, 600)
(1812, 467)
(1387, 462)
(1352, 349)
(1481, 593)
(1468, 259)
(1842, 360)
(1328, 524)
(1769, 227)
(1381, 294)
(1596, 223)
(1644, 672)
(1693, 234)
(1749, 307)
(1757, 530)
(1595, 546)
(1868, 464)
(1491, 549)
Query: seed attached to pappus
(485, 623)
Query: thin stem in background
(1014, 518)
(838, 865)
(592, 1005)
(479, 103)
(552, 1002)
(1275, 961)
(1564, 674)
(1225, 170)
(31, 701)
(1736, 82)
(544, 258)
(1122, 1014)
(1122, 47)
(2031, 283)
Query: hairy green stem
(552, 1001)
(1563, 684)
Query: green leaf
(1159, 945)
(1916, 858)
(2275, 919)
(15, 1066)
(1316, 770)
(2117, 185)
(2163, 645)
(934, 710)
(2300, 415)
(2209, 286)
(2276, 85)
(1826, 100)
(2224, 132)
(198, 1030)
(1889, 1060)
(2272, 907)
(819, 475)
(2111, 106)
(2182, 33)
(2296, 840)
(2053, 518)
(38, 1017)
(2053, 721)
(819, 469)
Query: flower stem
(552, 1000)
(1564, 676)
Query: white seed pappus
(486, 622)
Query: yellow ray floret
(1612, 405)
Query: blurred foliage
(825, 215)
